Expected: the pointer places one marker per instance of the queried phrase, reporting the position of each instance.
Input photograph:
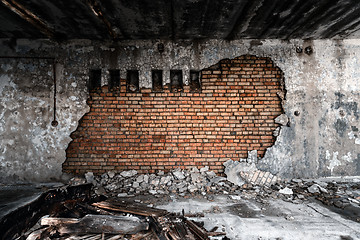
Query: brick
(147, 131)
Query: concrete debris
(252, 157)
(282, 119)
(314, 188)
(286, 191)
(89, 177)
(245, 171)
(207, 184)
(178, 175)
(276, 132)
(111, 174)
(178, 181)
(130, 173)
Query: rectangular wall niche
(132, 81)
(114, 80)
(94, 80)
(157, 80)
(176, 82)
(195, 81)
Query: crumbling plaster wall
(323, 87)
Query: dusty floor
(241, 215)
(244, 218)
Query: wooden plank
(51, 221)
(117, 237)
(196, 230)
(98, 224)
(94, 210)
(133, 208)
(36, 235)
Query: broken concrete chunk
(286, 191)
(233, 170)
(122, 195)
(195, 177)
(146, 178)
(105, 176)
(204, 169)
(276, 132)
(314, 189)
(192, 188)
(165, 180)
(140, 179)
(89, 176)
(282, 119)
(194, 169)
(112, 187)
(129, 173)
(153, 192)
(178, 174)
(155, 182)
(111, 174)
(252, 156)
(211, 174)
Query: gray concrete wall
(323, 87)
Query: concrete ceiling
(180, 19)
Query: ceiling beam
(30, 17)
(95, 7)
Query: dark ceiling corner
(97, 10)
(29, 17)
(179, 19)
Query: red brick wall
(148, 131)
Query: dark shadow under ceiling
(180, 19)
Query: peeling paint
(333, 161)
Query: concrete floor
(240, 216)
(274, 219)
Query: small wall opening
(157, 80)
(195, 81)
(94, 79)
(132, 81)
(176, 81)
(114, 80)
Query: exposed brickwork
(148, 131)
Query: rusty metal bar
(29, 17)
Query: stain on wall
(322, 86)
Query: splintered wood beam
(96, 9)
(133, 208)
(29, 17)
(97, 224)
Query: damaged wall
(167, 127)
(322, 98)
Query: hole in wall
(234, 113)
(114, 80)
(157, 80)
(94, 79)
(195, 81)
(176, 81)
(132, 81)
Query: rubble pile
(337, 194)
(206, 183)
(182, 182)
